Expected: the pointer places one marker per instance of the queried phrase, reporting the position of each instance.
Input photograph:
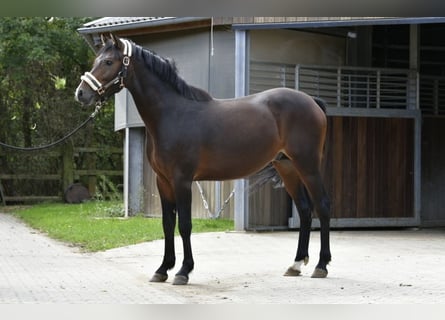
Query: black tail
(321, 103)
(265, 175)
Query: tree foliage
(41, 60)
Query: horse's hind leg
(321, 203)
(304, 206)
(298, 193)
(311, 177)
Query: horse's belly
(234, 164)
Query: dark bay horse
(191, 136)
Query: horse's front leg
(168, 225)
(183, 190)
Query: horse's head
(108, 73)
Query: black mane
(166, 70)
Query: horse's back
(301, 121)
(294, 108)
(295, 99)
(293, 112)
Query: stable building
(383, 80)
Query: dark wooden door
(369, 165)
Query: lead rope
(52, 144)
(206, 204)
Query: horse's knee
(185, 228)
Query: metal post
(378, 90)
(217, 196)
(135, 170)
(126, 170)
(297, 77)
(283, 75)
(241, 84)
(414, 56)
(339, 87)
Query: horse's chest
(165, 161)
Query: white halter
(100, 88)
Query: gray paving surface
(401, 266)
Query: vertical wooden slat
(372, 167)
(338, 164)
(362, 166)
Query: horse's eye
(108, 62)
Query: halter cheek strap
(100, 88)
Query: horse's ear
(103, 39)
(115, 39)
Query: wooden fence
(65, 173)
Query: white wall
(296, 47)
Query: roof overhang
(133, 26)
(363, 21)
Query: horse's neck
(151, 97)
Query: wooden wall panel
(368, 171)
(433, 171)
(369, 167)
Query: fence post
(68, 165)
(2, 194)
(91, 167)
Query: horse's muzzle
(85, 96)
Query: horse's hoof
(157, 277)
(290, 272)
(180, 280)
(319, 273)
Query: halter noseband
(100, 88)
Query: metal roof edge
(137, 24)
(338, 23)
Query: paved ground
(404, 266)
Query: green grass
(93, 226)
